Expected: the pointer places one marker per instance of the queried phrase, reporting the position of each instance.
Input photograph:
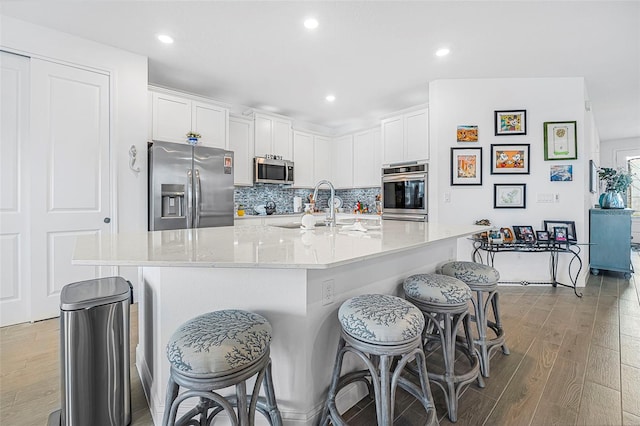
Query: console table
(553, 248)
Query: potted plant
(192, 137)
(617, 182)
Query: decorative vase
(192, 140)
(611, 200)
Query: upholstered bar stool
(384, 332)
(443, 302)
(217, 350)
(483, 280)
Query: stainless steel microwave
(271, 170)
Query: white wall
(457, 102)
(129, 115)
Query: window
(633, 193)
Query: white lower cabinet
(241, 143)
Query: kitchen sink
(294, 225)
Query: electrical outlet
(327, 292)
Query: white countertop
(261, 246)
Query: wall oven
(404, 191)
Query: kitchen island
(296, 279)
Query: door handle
(198, 196)
(107, 220)
(189, 199)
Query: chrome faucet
(332, 209)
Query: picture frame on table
(510, 122)
(509, 196)
(509, 159)
(466, 166)
(495, 236)
(571, 236)
(593, 177)
(560, 141)
(507, 235)
(467, 133)
(560, 234)
(524, 234)
(542, 237)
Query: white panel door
(70, 189)
(14, 173)
(211, 122)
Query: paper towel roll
(297, 204)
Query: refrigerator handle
(189, 199)
(198, 195)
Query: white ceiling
(376, 57)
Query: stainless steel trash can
(94, 354)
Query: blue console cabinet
(610, 238)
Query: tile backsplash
(260, 194)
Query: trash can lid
(96, 292)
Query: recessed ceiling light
(442, 52)
(165, 38)
(330, 98)
(311, 23)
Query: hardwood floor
(573, 362)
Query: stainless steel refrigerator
(189, 186)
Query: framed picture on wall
(511, 122)
(560, 142)
(593, 177)
(562, 173)
(509, 159)
(509, 196)
(466, 166)
(467, 133)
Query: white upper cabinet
(173, 116)
(405, 137)
(274, 136)
(303, 159)
(366, 159)
(322, 157)
(342, 162)
(241, 143)
(211, 122)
